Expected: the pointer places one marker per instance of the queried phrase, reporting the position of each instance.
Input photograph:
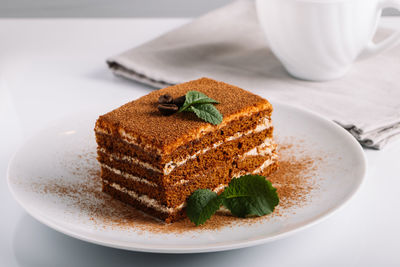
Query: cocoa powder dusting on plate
(294, 180)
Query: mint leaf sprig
(202, 204)
(248, 195)
(202, 106)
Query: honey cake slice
(154, 162)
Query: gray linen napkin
(228, 45)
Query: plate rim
(201, 248)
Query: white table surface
(50, 68)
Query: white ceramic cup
(320, 39)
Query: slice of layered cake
(154, 162)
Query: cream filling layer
(156, 205)
(266, 148)
(114, 156)
(265, 164)
(138, 179)
(146, 200)
(170, 166)
(129, 176)
(129, 139)
(201, 132)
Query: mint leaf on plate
(201, 205)
(196, 98)
(207, 112)
(250, 195)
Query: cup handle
(375, 48)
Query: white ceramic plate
(46, 156)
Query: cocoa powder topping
(295, 180)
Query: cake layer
(223, 175)
(127, 164)
(171, 194)
(225, 152)
(152, 206)
(244, 125)
(129, 199)
(142, 124)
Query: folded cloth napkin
(228, 45)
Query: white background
(50, 68)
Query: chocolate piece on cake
(154, 162)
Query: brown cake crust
(225, 152)
(167, 217)
(137, 146)
(243, 124)
(173, 194)
(141, 119)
